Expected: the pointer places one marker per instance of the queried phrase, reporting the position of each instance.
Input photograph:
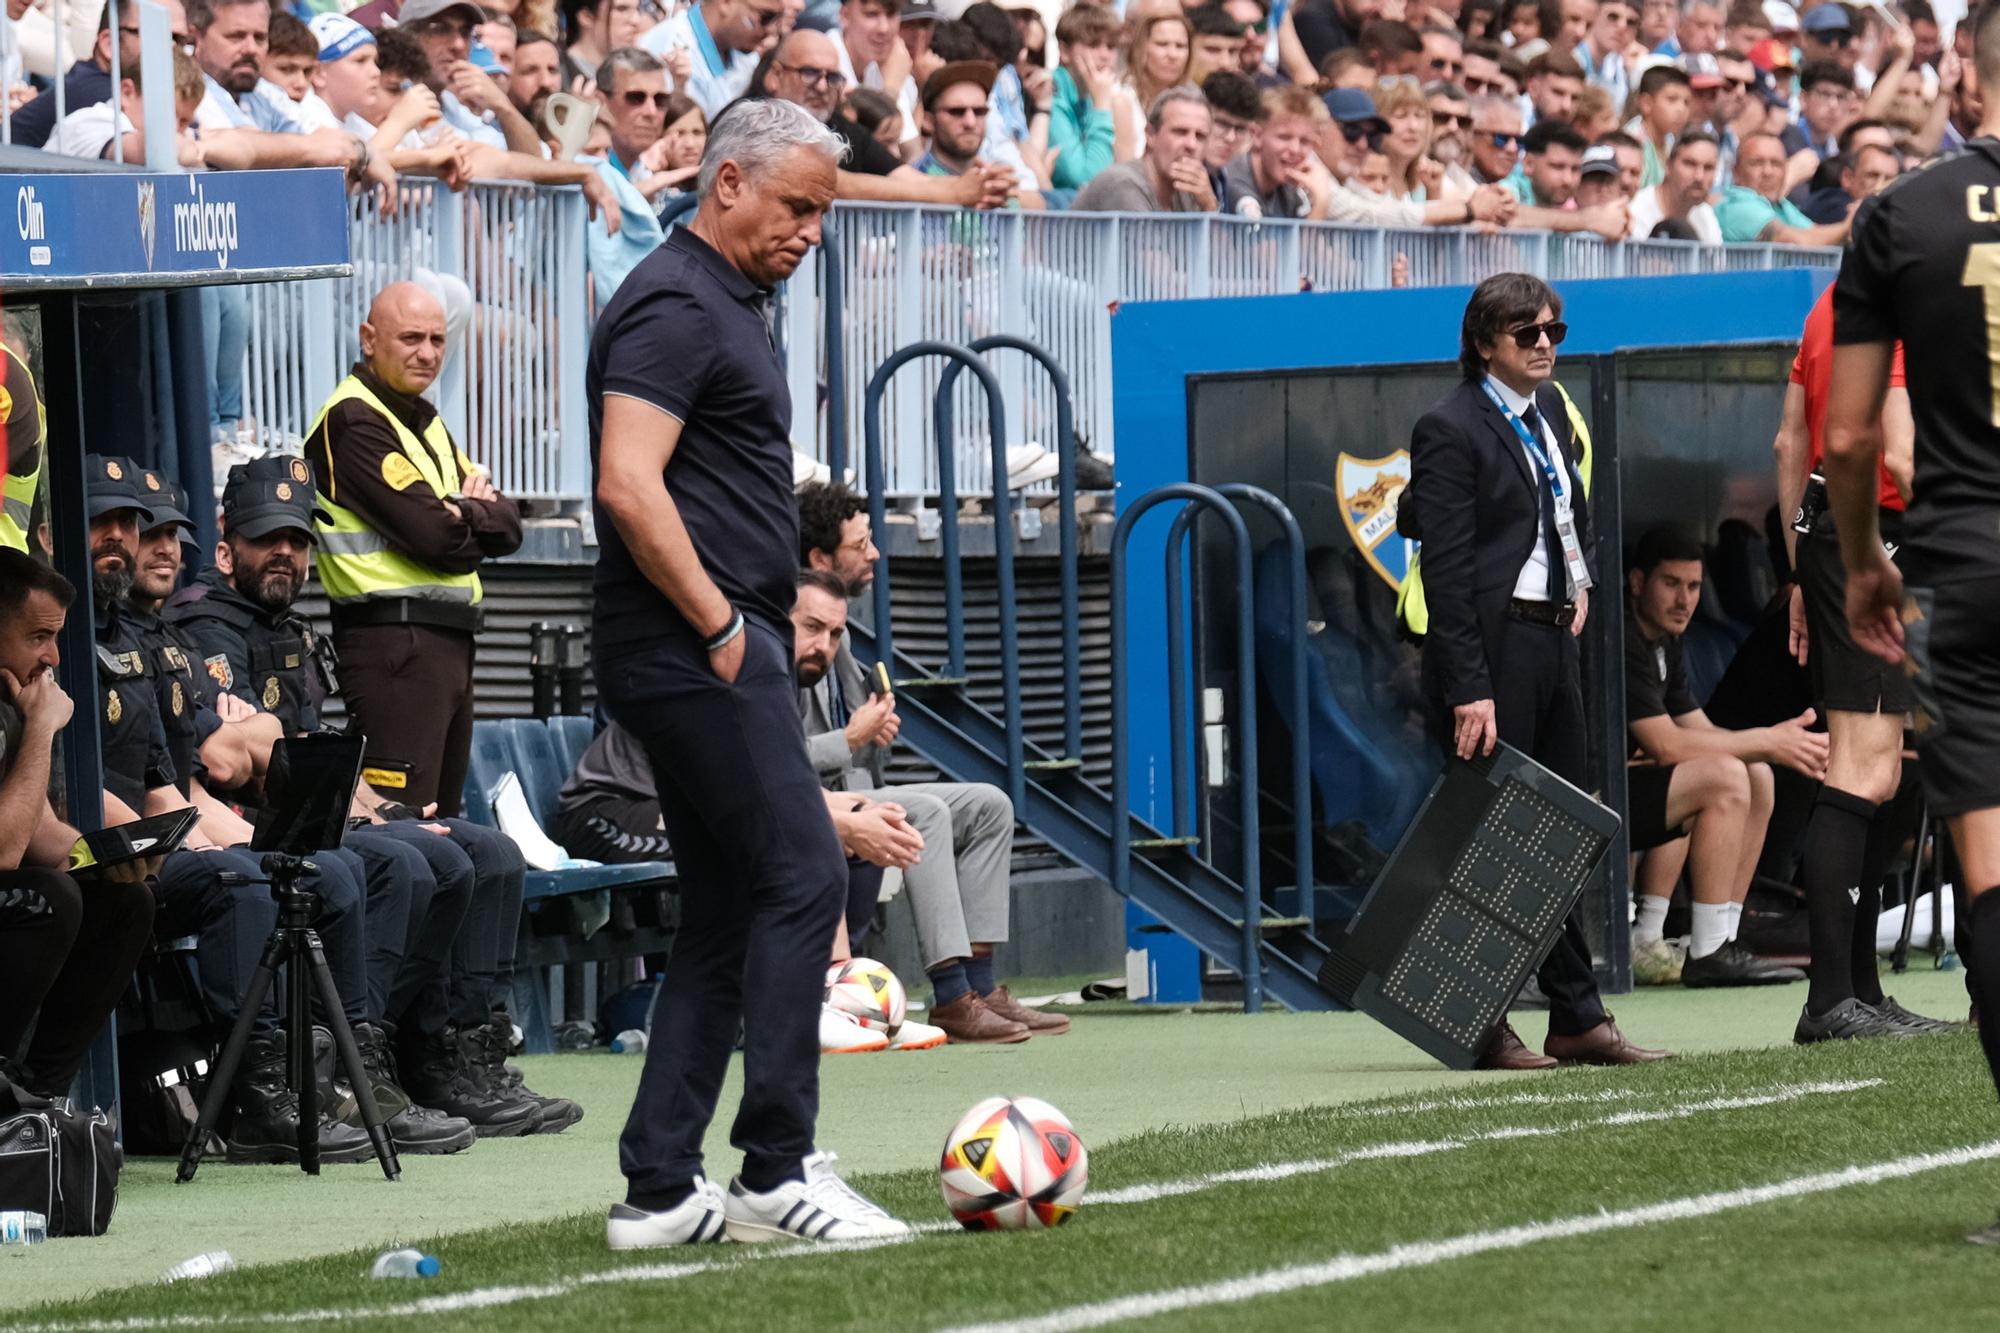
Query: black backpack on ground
(59, 1161)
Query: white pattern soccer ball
(1013, 1164)
(867, 992)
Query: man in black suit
(1496, 500)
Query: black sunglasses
(1528, 335)
(634, 98)
(1354, 131)
(1446, 119)
(1504, 140)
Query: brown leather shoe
(968, 1020)
(1038, 1023)
(1506, 1050)
(1602, 1045)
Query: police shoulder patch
(219, 671)
(399, 472)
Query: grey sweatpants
(958, 891)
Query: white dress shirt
(1533, 583)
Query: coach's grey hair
(757, 136)
(626, 60)
(1185, 92)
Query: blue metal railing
(1180, 745)
(1072, 632)
(1251, 964)
(1003, 544)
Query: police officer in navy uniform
(447, 977)
(230, 922)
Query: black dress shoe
(1734, 965)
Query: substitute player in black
(690, 425)
(1495, 498)
(1923, 266)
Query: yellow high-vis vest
(17, 503)
(1410, 606)
(356, 564)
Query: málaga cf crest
(1369, 491)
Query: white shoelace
(825, 1188)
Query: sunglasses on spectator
(812, 76)
(1446, 120)
(1841, 39)
(1447, 67)
(1394, 81)
(441, 27)
(1355, 131)
(1528, 335)
(1501, 140)
(1483, 87)
(1737, 85)
(1261, 27)
(977, 112)
(634, 98)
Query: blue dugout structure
(1680, 381)
(97, 279)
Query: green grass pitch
(1583, 1200)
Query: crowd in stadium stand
(1757, 123)
(1373, 111)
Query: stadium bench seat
(528, 748)
(572, 736)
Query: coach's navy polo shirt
(687, 332)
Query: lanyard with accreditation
(1572, 549)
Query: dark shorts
(1646, 806)
(1953, 637)
(1845, 676)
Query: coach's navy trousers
(763, 881)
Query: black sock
(1982, 975)
(762, 1175)
(1864, 966)
(660, 1203)
(1836, 845)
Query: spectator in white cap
(468, 99)
(1781, 19)
(1597, 178)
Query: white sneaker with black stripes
(696, 1220)
(820, 1207)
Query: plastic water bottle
(20, 1227)
(202, 1265)
(632, 1041)
(405, 1263)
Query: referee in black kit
(1495, 497)
(1923, 266)
(690, 435)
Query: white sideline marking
(486, 1297)
(1460, 1102)
(1422, 1254)
(1167, 1189)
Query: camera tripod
(295, 945)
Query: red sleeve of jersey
(1896, 379)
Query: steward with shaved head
(408, 518)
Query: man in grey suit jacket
(959, 886)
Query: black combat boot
(437, 1074)
(266, 1124)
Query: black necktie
(1558, 576)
